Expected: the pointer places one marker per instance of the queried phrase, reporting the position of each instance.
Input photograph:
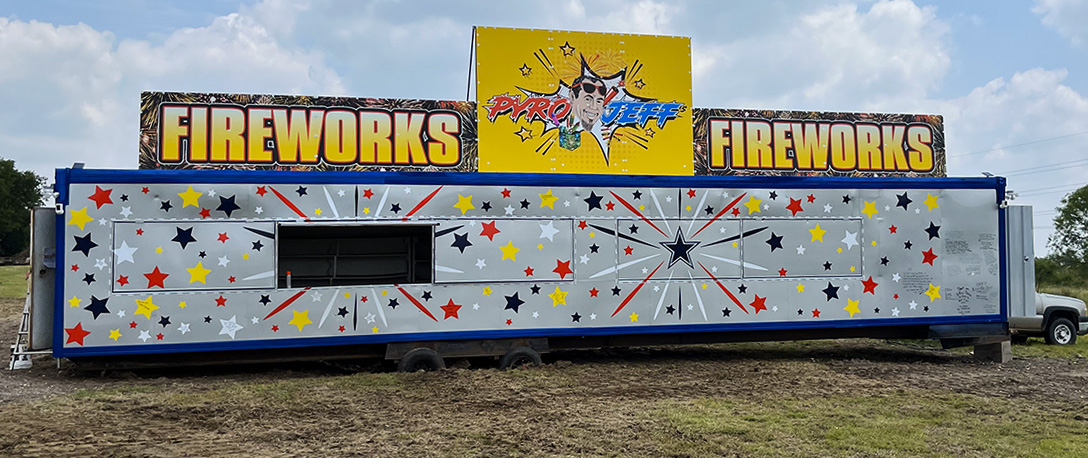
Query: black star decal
(84, 244)
(670, 309)
(637, 195)
(800, 312)
(124, 197)
(460, 241)
(258, 245)
(393, 303)
(726, 312)
(925, 309)
(616, 290)
(567, 49)
(184, 237)
(884, 261)
(395, 208)
(681, 249)
(486, 206)
(301, 191)
(933, 231)
(907, 245)
(775, 241)
(774, 195)
(342, 312)
(165, 206)
(535, 289)
(903, 200)
(513, 302)
(427, 296)
(265, 299)
(203, 255)
(89, 278)
(164, 321)
(524, 203)
(633, 229)
(709, 210)
(876, 310)
(593, 201)
(593, 248)
(576, 318)
(831, 291)
(207, 319)
(846, 199)
(97, 307)
(827, 265)
(743, 289)
(227, 205)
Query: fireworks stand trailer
(183, 265)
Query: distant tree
(1069, 244)
(20, 191)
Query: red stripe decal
(415, 301)
(287, 302)
(719, 215)
(635, 291)
(636, 212)
(720, 285)
(420, 205)
(289, 204)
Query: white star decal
(316, 296)
(536, 314)
(846, 287)
(800, 249)
(124, 253)
(340, 193)
(184, 328)
(895, 311)
(913, 305)
(593, 316)
(258, 210)
(657, 288)
(102, 222)
(230, 326)
(407, 190)
(100, 263)
(120, 314)
(566, 203)
(476, 306)
(144, 336)
(668, 198)
(896, 277)
(480, 263)
(851, 239)
(126, 211)
(211, 193)
(714, 269)
(223, 261)
(509, 210)
(369, 318)
(584, 259)
(548, 231)
(255, 320)
(827, 208)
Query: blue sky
(1002, 73)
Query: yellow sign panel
(576, 102)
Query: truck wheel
(518, 357)
(421, 359)
(1060, 332)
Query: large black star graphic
(265, 299)
(637, 195)
(184, 237)
(933, 231)
(258, 245)
(165, 206)
(513, 302)
(164, 321)
(524, 203)
(97, 307)
(395, 208)
(535, 289)
(831, 291)
(84, 244)
(775, 241)
(827, 265)
(593, 248)
(460, 241)
(301, 191)
(593, 201)
(342, 312)
(393, 303)
(680, 249)
(227, 205)
(89, 278)
(903, 200)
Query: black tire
(1019, 339)
(1060, 331)
(421, 359)
(518, 357)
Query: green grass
(13, 282)
(903, 424)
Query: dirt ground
(607, 402)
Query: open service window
(354, 254)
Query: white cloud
(1068, 17)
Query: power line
(1040, 168)
(1064, 186)
(1019, 144)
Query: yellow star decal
(634, 317)
(851, 267)
(934, 292)
(487, 291)
(115, 334)
(688, 208)
(817, 233)
(366, 210)
(509, 251)
(753, 205)
(931, 202)
(199, 273)
(317, 211)
(301, 319)
(74, 302)
(158, 250)
(374, 329)
(548, 200)
(190, 197)
(558, 297)
(870, 209)
(874, 242)
(464, 203)
(852, 307)
(145, 307)
(800, 288)
(540, 246)
(245, 256)
(524, 133)
(79, 218)
(182, 304)
(347, 295)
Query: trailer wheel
(1019, 339)
(1060, 332)
(421, 359)
(518, 357)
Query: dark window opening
(354, 255)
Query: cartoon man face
(587, 100)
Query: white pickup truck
(1058, 319)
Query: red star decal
(342, 328)
(76, 334)
(490, 230)
(122, 280)
(223, 237)
(759, 304)
(158, 336)
(582, 225)
(261, 191)
(691, 193)
(145, 190)
(155, 278)
(505, 193)
(928, 257)
(736, 212)
(627, 251)
(611, 206)
(221, 301)
(451, 310)
(231, 279)
(101, 196)
(794, 206)
(509, 322)
(368, 193)
(811, 198)
(139, 232)
(562, 268)
(132, 325)
(892, 229)
(593, 292)
(816, 313)
(75, 267)
(782, 272)
(870, 286)
(529, 271)
(895, 296)
(364, 299)
(275, 328)
(205, 213)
